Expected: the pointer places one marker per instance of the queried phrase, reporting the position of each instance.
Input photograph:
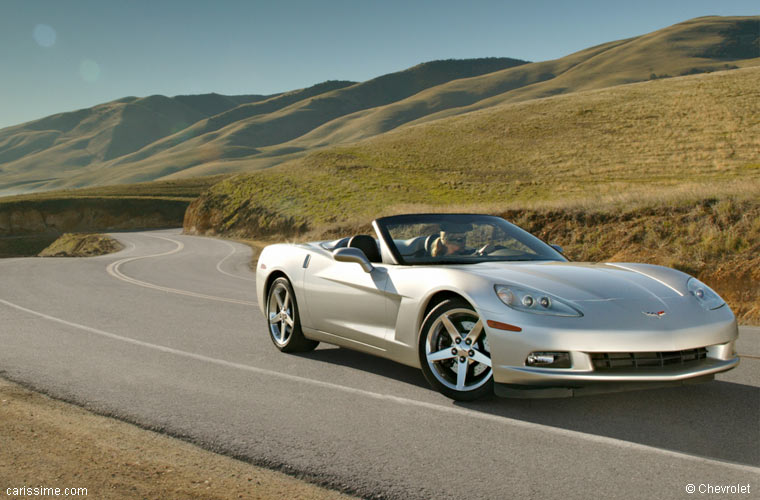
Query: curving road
(166, 334)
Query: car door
(346, 301)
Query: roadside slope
(665, 171)
(118, 461)
(629, 142)
(29, 223)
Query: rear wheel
(454, 351)
(283, 319)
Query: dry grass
(135, 140)
(715, 239)
(666, 172)
(81, 245)
(175, 190)
(678, 139)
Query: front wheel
(283, 320)
(454, 351)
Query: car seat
(366, 244)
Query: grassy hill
(626, 144)
(135, 140)
(46, 153)
(665, 171)
(697, 46)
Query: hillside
(666, 171)
(45, 153)
(133, 140)
(697, 46)
(626, 144)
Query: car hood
(586, 282)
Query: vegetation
(81, 245)
(174, 190)
(665, 172)
(133, 140)
(714, 238)
(627, 146)
(136, 140)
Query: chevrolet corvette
(482, 307)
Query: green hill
(137, 140)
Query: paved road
(166, 334)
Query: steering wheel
(485, 249)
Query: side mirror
(353, 255)
(558, 248)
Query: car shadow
(368, 363)
(717, 419)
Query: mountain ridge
(156, 137)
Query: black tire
(283, 320)
(458, 370)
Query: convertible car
(483, 307)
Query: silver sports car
(482, 306)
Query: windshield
(460, 239)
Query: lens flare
(44, 35)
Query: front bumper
(546, 377)
(509, 352)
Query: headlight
(533, 301)
(705, 295)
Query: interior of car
(366, 244)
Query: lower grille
(605, 361)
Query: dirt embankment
(27, 227)
(717, 241)
(90, 214)
(207, 215)
(51, 444)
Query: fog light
(549, 359)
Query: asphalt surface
(166, 334)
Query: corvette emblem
(658, 314)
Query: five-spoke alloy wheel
(284, 322)
(454, 352)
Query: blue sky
(58, 55)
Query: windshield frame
(381, 227)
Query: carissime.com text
(44, 491)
